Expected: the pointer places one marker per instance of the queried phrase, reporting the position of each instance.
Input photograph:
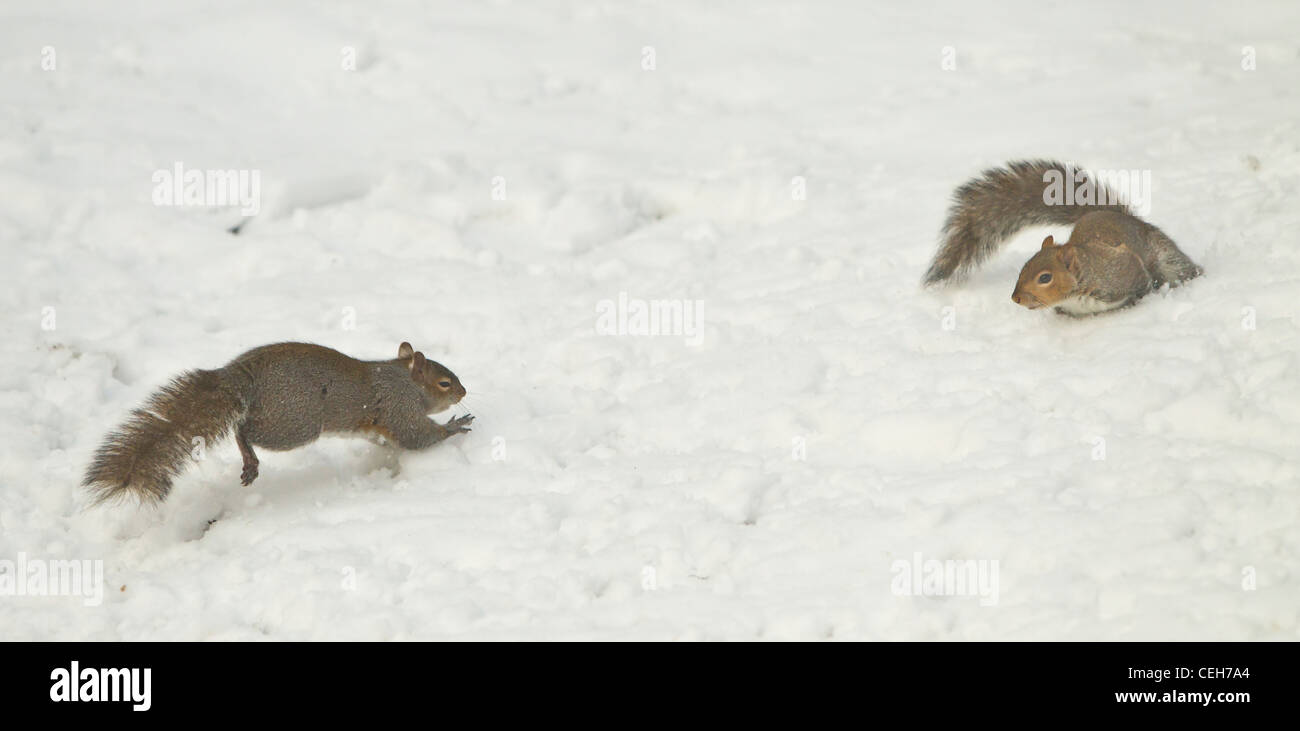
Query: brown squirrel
(1112, 259)
(279, 397)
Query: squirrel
(279, 397)
(1111, 260)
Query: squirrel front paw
(249, 474)
(459, 424)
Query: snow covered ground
(484, 178)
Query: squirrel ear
(417, 363)
(405, 351)
(1048, 243)
(1070, 260)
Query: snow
(1134, 475)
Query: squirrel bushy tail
(991, 208)
(143, 455)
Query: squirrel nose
(1015, 297)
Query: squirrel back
(1112, 258)
(276, 396)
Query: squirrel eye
(1044, 278)
(444, 384)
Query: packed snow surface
(488, 180)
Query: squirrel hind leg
(251, 462)
(1172, 266)
(1176, 268)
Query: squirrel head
(441, 387)
(1048, 277)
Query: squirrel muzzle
(1025, 299)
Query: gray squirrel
(1112, 259)
(279, 397)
